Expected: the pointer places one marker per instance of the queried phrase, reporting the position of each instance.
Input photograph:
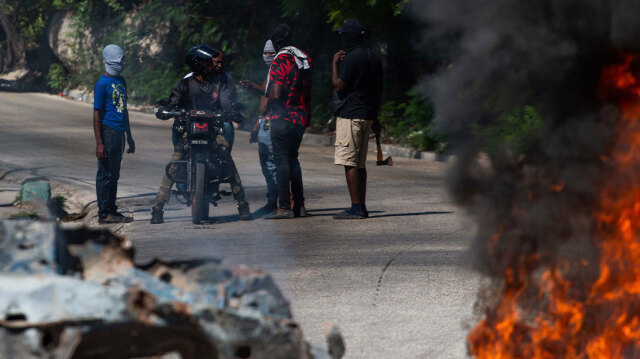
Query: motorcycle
(203, 168)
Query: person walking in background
(110, 125)
(288, 91)
(357, 80)
(261, 133)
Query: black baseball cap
(351, 26)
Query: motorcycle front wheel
(199, 206)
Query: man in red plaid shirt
(289, 106)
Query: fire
(602, 318)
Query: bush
(57, 77)
(511, 133)
(411, 123)
(150, 84)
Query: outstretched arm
(248, 85)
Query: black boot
(266, 209)
(301, 212)
(157, 212)
(244, 211)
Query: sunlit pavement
(396, 284)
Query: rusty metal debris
(77, 293)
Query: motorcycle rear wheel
(198, 210)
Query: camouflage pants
(234, 180)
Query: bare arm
(274, 95)
(253, 135)
(127, 130)
(263, 102)
(101, 152)
(248, 85)
(338, 83)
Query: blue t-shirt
(110, 97)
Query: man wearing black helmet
(200, 91)
(227, 95)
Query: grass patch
(18, 199)
(60, 201)
(26, 214)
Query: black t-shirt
(361, 69)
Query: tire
(197, 195)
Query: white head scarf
(268, 47)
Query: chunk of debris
(77, 293)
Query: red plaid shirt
(295, 102)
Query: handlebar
(165, 113)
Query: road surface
(397, 284)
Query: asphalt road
(396, 284)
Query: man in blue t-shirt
(110, 124)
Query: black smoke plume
(533, 196)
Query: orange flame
(603, 320)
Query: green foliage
(512, 133)
(155, 35)
(56, 77)
(411, 123)
(149, 85)
(59, 201)
(336, 11)
(30, 16)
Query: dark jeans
(286, 138)
(109, 171)
(267, 162)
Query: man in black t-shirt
(357, 79)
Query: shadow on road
(333, 211)
(427, 213)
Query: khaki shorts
(352, 142)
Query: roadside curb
(79, 200)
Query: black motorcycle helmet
(199, 59)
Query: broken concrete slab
(76, 292)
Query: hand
(253, 136)
(338, 56)
(132, 145)
(245, 84)
(376, 127)
(101, 151)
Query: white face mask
(115, 68)
(268, 59)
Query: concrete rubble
(77, 293)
